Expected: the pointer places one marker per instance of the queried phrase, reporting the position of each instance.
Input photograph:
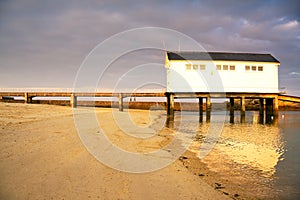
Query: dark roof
(189, 55)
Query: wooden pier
(268, 101)
(28, 96)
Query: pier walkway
(283, 97)
(29, 95)
(268, 101)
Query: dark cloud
(44, 42)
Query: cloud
(40, 38)
(294, 73)
(272, 30)
(287, 26)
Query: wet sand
(242, 162)
(42, 157)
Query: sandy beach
(42, 157)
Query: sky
(44, 43)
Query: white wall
(211, 80)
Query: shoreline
(226, 184)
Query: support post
(170, 110)
(170, 122)
(208, 109)
(275, 110)
(121, 107)
(243, 110)
(73, 100)
(200, 109)
(27, 98)
(231, 110)
(269, 110)
(275, 106)
(261, 110)
(170, 105)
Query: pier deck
(268, 101)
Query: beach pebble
(218, 186)
(236, 195)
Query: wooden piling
(243, 110)
(269, 110)
(275, 106)
(170, 105)
(231, 120)
(27, 98)
(200, 109)
(262, 105)
(73, 100)
(121, 105)
(208, 108)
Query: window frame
(188, 67)
(202, 67)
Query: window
(225, 67)
(195, 67)
(253, 68)
(202, 67)
(188, 66)
(232, 67)
(247, 68)
(260, 68)
(218, 67)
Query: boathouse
(206, 75)
(221, 72)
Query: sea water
(265, 154)
(287, 176)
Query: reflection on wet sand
(245, 154)
(256, 146)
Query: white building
(221, 72)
